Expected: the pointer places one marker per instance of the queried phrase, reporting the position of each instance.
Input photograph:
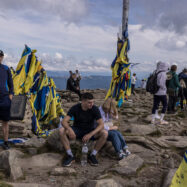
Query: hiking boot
(5, 146)
(93, 161)
(163, 122)
(127, 152)
(121, 155)
(68, 161)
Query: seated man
(85, 114)
(72, 85)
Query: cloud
(164, 14)
(68, 10)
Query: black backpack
(152, 86)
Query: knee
(61, 131)
(104, 134)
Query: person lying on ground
(108, 112)
(85, 114)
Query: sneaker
(152, 122)
(157, 116)
(93, 161)
(6, 146)
(127, 152)
(163, 122)
(121, 155)
(68, 161)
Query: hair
(184, 70)
(87, 96)
(110, 106)
(134, 74)
(173, 68)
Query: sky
(82, 34)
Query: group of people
(73, 82)
(92, 123)
(170, 86)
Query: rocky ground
(156, 151)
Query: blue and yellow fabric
(120, 85)
(180, 177)
(31, 79)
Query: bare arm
(99, 127)
(65, 122)
(113, 128)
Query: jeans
(156, 102)
(117, 140)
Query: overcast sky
(70, 34)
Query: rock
(54, 141)
(28, 185)
(128, 166)
(101, 183)
(63, 171)
(172, 141)
(34, 142)
(9, 162)
(42, 160)
(168, 178)
(142, 129)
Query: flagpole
(125, 16)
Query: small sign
(18, 106)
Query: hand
(10, 96)
(86, 138)
(71, 133)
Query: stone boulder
(63, 171)
(101, 183)
(9, 162)
(128, 166)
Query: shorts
(80, 133)
(5, 104)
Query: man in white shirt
(133, 82)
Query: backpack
(152, 86)
(169, 77)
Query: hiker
(133, 82)
(160, 95)
(85, 114)
(6, 94)
(173, 86)
(78, 78)
(70, 73)
(108, 112)
(143, 84)
(183, 89)
(72, 85)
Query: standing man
(78, 78)
(85, 114)
(6, 94)
(173, 89)
(133, 82)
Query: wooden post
(125, 15)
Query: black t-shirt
(84, 119)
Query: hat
(1, 53)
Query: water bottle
(84, 154)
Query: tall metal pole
(125, 16)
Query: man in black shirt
(72, 85)
(85, 115)
(6, 94)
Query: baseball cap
(1, 53)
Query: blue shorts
(80, 133)
(5, 104)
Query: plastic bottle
(84, 154)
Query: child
(108, 111)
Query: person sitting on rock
(85, 114)
(108, 112)
(6, 95)
(72, 85)
(160, 95)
